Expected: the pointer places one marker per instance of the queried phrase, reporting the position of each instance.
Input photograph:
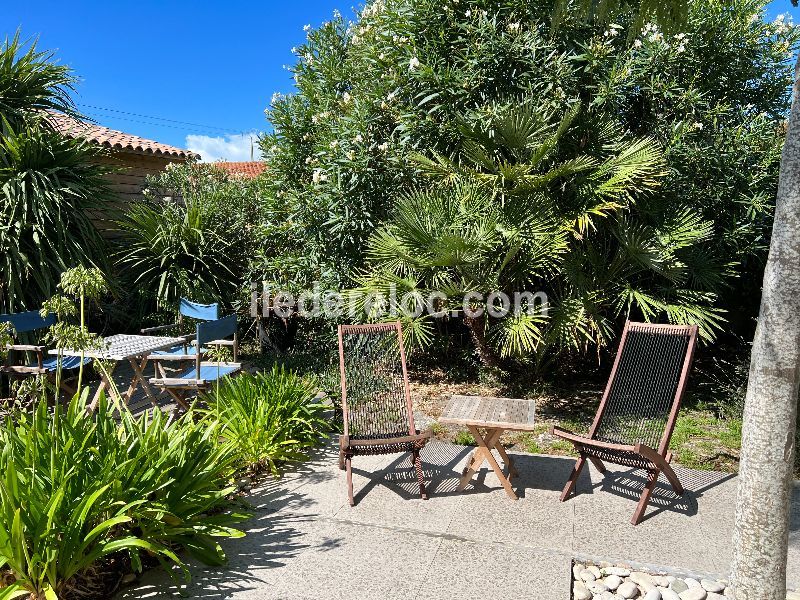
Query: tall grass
(270, 418)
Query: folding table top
(486, 411)
(123, 346)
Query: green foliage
(47, 185)
(77, 487)
(419, 87)
(190, 238)
(48, 182)
(31, 82)
(269, 418)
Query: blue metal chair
(202, 375)
(42, 364)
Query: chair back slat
(215, 330)
(376, 401)
(28, 321)
(201, 312)
(644, 392)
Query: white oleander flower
(333, 144)
(413, 64)
(306, 28)
(383, 147)
(358, 139)
(351, 154)
(309, 160)
(468, 14)
(698, 125)
(513, 27)
(637, 43)
(346, 97)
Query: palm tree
(507, 213)
(49, 183)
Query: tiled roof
(250, 170)
(116, 140)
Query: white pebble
(668, 594)
(628, 590)
(694, 593)
(618, 571)
(587, 575)
(692, 583)
(712, 586)
(580, 592)
(643, 580)
(653, 594)
(613, 581)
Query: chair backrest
(643, 394)
(376, 400)
(216, 330)
(28, 321)
(201, 312)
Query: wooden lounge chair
(637, 412)
(376, 401)
(17, 366)
(202, 374)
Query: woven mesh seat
(376, 402)
(637, 413)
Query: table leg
(476, 458)
(105, 384)
(512, 470)
(140, 379)
(484, 452)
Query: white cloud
(233, 148)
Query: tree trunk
(477, 331)
(768, 435)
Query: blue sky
(213, 66)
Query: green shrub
(77, 487)
(270, 418)
(412, 77)
(48, 182)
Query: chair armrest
(347, 442)
(25, 347)
(157, 328)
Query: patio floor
(304, 541)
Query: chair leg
(598, 464)
(573, 478)
(673, 479)
(349, 468)
(341, 459)
(420, 479)
(652, 478)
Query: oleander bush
(77, 487)
(269, 418)
(411, 78)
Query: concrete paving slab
(306, 542)
(358, 561)
(468, 569)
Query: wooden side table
(494, 416)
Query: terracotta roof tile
(116, 140)
(250, 169)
